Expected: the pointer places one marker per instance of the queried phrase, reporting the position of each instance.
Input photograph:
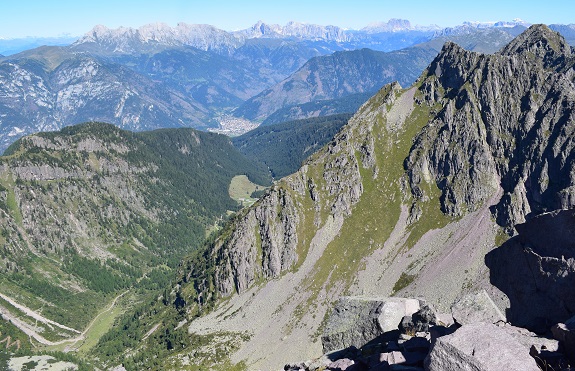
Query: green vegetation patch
(241, 190)
(367, 228)
(403, 281)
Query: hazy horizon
(36, 18)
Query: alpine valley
(405, 184)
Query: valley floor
(91, 332)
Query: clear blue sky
(19, 18)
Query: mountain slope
(283, 147)
(328, 80)
(92, 211)
(338, 75)
(402, 200)
(52, 88)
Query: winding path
(30, 330)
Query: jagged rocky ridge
(486, 134)
(508, 116)
(393, 34)
(477, 135)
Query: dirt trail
(35, 315)
(31, 331)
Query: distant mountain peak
(298, 30)
(507, 24)
(396, 25)
(127, 39)
(393, 24)
(472, 27)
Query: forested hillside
(92, 211)
(283, 147)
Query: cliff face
(505, 121)
(267, 240)
(536, 270)
(405, 197)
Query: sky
(49, 18)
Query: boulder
(420, 321)
(565, 333)
(545, 351)
(475, 308)
(357, 320)
(341, 364)
(530, 339)
(482, 347)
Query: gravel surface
(267, 313)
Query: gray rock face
(264, 240)
(565, 333)
(479, 346)
(267, 252)
(491, 133)
(355, 321)
(536, 270)
(420, 321)
(475, 308)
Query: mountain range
(196, 75)
(346, 74)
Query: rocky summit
(407, 200)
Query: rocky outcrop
(264, 240)
(479, 346)
(355, 321)
(474, 308)
(490, 133)
(536, 270)
(267, 252)
(565, 333)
